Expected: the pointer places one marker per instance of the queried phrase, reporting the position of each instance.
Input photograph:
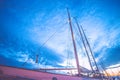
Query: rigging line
(40, 47)
(48, 39)
(25, 62)
(91, 52)
(84, 45)
(114, 68)
(103, 72)
(46, 42)
(82, 50)
(79, 42)
(68, 55)
(90, 49)
(37, 55)
(112, 72)
(102, 66)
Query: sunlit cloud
(113, 70)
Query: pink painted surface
(35, 74)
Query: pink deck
(34, 74)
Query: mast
(90, 50)
(84, 45)
(89, 47)
(92, 54)
(74, 44)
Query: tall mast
(92, 54)
(84, 45)
(74, 44)
(90, 49)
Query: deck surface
(10, 73)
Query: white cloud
(116, 65)
(23, 57)
(114, 69)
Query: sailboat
(13, 73)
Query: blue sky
(26, 24)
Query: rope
(39, 48)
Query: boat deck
(11, 73)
